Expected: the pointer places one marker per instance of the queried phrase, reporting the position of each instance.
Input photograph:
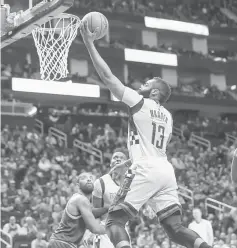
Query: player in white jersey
(105, 189)
(151, 178)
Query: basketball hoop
(53, 40)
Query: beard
(86, 189)
(144, 93)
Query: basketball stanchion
(53, 40)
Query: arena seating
(39, 175)
(210, 12)
(169, 49)
(39, 166)
(204, 164)
(192, 89)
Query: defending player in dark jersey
(234, 168)
(78, 216)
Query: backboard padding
(38, 15)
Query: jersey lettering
(149, 131)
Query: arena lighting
(233, 87)
(149, 57)
(32, 111)
(177, 26)
(205, 91)
(55, 88)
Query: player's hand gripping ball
(94, 26)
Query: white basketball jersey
(150, 127)
(111, 189)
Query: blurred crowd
(212, 54)
(196, 88)
(206, 12)
(209, 12)
(218, 56)
(189, 122)
(39, 175)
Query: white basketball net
(53, 40)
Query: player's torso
(12, 229)
(70, 229)
(149, 130)
(111, 189)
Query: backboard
(31, 15)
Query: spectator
(27, 213)
(57, 214)
(18, 206)
(32, 136)
(45, 164)
(23, 193)
(39, 242)
(75, 130)
(5, 206)
(12, 228)
(43, 193)
(29, 228)
(145, 238)
(165, 244)
(51, 140)
(7, 71)
(11, 192)
(141, 241)
(202, 227)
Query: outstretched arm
(106, 75)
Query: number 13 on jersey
(158, 132)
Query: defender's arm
(97, 197)
(88, 217)
(98, 212)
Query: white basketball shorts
(154, 183)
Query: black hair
(122, 150)
(164, 90)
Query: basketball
(97, 20)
